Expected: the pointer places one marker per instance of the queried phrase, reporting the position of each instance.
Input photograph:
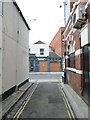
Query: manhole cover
(54, 99)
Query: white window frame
(71, 48)
(41, 52)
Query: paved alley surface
(46, 75)
(45, 102)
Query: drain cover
(54, 99)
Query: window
(72, 60)
(29, 50)
(72, 48)
(72, 55)
(42, 51)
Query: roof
(15, 3)
(39, 42)
(53, 55)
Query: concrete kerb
(14, 98)
(36, 73)
(79, 107)
(43, 80)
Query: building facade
(77, 47)
(33, 63)
(41, 52)
(57, 44)
(14, 48)
(40, 49)
(44, 60)
(55, 62)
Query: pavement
(10, 101)
(80, 108)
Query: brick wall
(57, 44)
(75, 75)
(75, 81)
(78, 60)
(76, 36)
(54, 67)
(43, 66)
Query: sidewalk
(13, 98)
(79, 107)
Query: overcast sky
(48, 15)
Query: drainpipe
(65, 42)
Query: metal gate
(86, 93)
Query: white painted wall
(15, 48)
(85, 35)
(0, 55)
(35, 49)
(22, 53)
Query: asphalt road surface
(45, 75)
(45, 102)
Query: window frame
(41, 51)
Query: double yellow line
(67, 104)
(20, 110)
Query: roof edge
(15, 3)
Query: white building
(14, 48)
(40, 49)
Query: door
(43, 66)
(86, 81)
(54, 67)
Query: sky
(48, 15)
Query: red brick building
(77, 47)
(57, 44)
(55, 62)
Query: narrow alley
(44, 100)
(44, 59)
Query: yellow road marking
(18, 113)
(68, 107)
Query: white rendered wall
(22, 53)
(15, 47)
(85, 35)
(35, 49)
(0, 55)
